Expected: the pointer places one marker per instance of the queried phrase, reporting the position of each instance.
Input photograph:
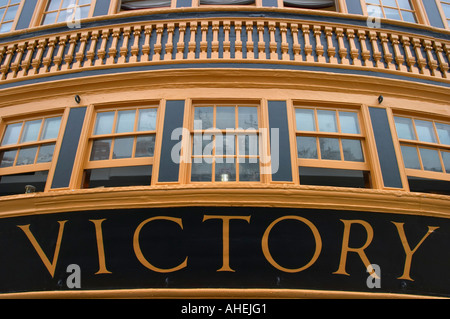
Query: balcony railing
(256, 40)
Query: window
(26, 153)
(425, 146)
(225, 144)
(122, 147)
(63, 10)
(139, 4)
(9, 11)
(330, 147)
(445, 5)
(402, 10)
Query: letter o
(265, 244)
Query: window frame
(417, 9)
(445, 20)
(41, 11)
(16, 18)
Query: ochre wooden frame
(16, 18)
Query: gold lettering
(409, 253)
(100, 246)
(137, 248)
(360, 251)
(225, 237)
(51, 266)
(317, 239)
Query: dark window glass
(118, 176)
(333, 177)
(15, 184)
(424, 185)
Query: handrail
(231, 40)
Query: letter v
(51, 266)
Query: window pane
(31, 131)
(425, 131)
(392, 14)
(225, 144)
(12, 134)
(329, 148)
(203, 118)
(430, 160)
(50, 18)
(306, 147)
(410, 157)
(327, 121)
(248, 144)
(11, 13)
(249, 171)
(404, 128)
(374, 11)
(104, 123)
(27, 155)
(3, 3)
(333, 177)
(45, 153)
(352, 150)
(6, 27)
(446, 159)
(14, 2)
(67, 3)
(201, 172)
(147, 120)
(51, 128)
(123, 147)
(82, 2)
(64, 15)
(84, 12)
(145, 146)
(15, 184)
(404, 4)
(119, 176)
(248, 117)
(53, 5)
(446, 8)
(408, 16)
(225, 118)
(389, 3)
(125, 121)
(7, 158)
(201, 144)
(349, 122)
(444, 133)
(100, 150)
(225, 172)
(305, 120)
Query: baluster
(421, 61)
(272, 43)
(319, 47)
(36, 63)
(365, 54)
(354, 52)
(442, 64)
(215, 41)
(331, 51)
(387, 55)
(101, 54)
(90, 55)
(6, 63)
(226, 40)
(124, 48)
(308, 46)
(203, 41)
(2, 53)
(26, 63)
(169, 45)
(135, 46)
(342, 49)
(192, 43)
(238, 41)
(376, 54)
(296, 48)
(158, 44)
(16, 64)
(68, 58)
(146, 46)
(284, 43)
(47, 61)
(399, 58)
(79, 56)
(447, 51)
(250, 48)
(432, 63)
(410, 59)
(180, 44)
(112, 52)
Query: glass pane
(201, 172)
(104, 123)
(203, 118)
(327, 121)
(352, 150)
(409, 16)
(374, 11)
(373, 1)
(3, 3)
(67, 3)
(14, 2)
(31, 131)
(53, 5)
(11, 13)
(389, 3)
(410, 157)
(430, 160)
(7, 158)
(248, 144)
(329, 148)
(443, 131)
(225, 172)
(305, 120)
(84, 12)
(392, 14)
(119, 176)
(145, 146)
(49, 18)
(12, 134)
(248, 117)
(249, 171)
(306, 147)
(147, 120)
(225, 144)
(82, 2)
(64, 15)
(125, 121)
(45, 153)
(225, 118)
(6, 27)
(446, 8)
(123, 147)
(51, 128)
(349, 122)
(404, 128)
(425, 131)
(446, 159)
(333, 177)
(404, 4)
(101, 149)
(26, 156)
